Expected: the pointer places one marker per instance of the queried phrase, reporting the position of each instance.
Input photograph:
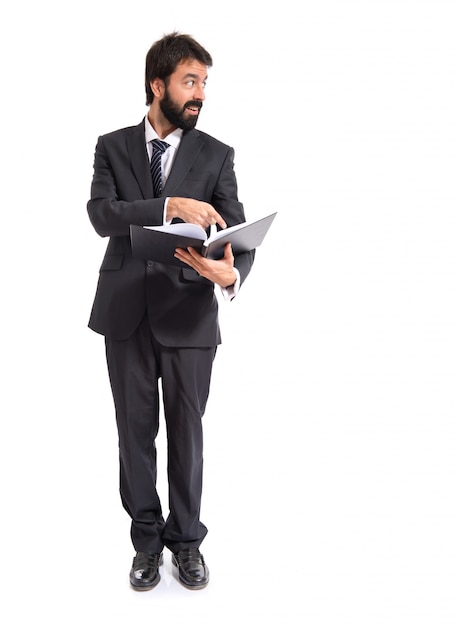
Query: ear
(158, 87)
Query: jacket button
(149, 263)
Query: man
(161, 322)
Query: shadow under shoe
(144, 574)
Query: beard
(177, 115)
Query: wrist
(231, 281)
(171, 209)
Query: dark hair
(166, 54)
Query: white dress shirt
(167, 159)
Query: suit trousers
(136, 365)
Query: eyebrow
(196, 76)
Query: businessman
(160, 322)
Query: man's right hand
(194, 212)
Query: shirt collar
(173, 138)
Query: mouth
(193, 109)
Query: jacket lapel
(139, 160)
(189, 148)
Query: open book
(158, 243)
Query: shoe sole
(191, 587)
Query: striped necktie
(155, 164)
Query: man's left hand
(220, 272)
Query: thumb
(228, 253)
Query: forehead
(191, 67)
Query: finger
(218, 219)
(228, 252)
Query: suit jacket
(182, 306)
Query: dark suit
(159, 322)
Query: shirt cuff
(164, 213)
(230, 292)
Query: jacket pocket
(189, 275)
(112, 262)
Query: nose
(199, 92)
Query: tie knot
(160, 146)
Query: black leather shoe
(193, 571)
(144, 573)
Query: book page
(219, 234)
(184, 229)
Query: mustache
(193, 103)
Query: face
(182, 98)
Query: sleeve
(231, 292)
(225, 201)
(109, 210)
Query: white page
(182, 228)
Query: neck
(159, 123)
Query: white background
(332, 432)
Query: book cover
(158, 243)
